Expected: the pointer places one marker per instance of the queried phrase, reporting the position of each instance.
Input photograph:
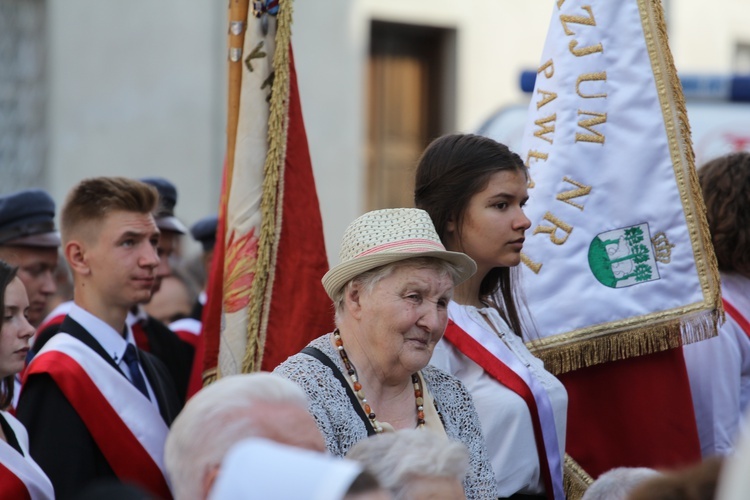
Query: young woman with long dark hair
(20, 476)
(474, 190)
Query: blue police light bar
(733, 88)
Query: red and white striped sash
(737, 316)
(187, 329)
(483, 347)
(55, 317)
(126, 427)
(21, 477)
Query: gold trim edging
(575, 480)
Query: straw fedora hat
(385, 236)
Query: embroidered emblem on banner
(627, 256)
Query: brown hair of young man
(93, 199)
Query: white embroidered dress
(504, 415)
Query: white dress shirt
(112, 342)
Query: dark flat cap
(27, 218)
(165, 218)
(204, 231)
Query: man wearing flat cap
(204, 232)
(29, 241)
(152, 335)
(190, 329)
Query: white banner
(244, 206)
(617, 261)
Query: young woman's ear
(450, 226)
(451, 238)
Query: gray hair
(215, 419)
(369, 279)
(618, 483)
(397, 457)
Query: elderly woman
(371, 375)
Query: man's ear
(75, 254)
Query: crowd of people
(424, 389)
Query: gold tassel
(210, 376)
(272, 172)
(579, 353)
(575, 480)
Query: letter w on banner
(266, 301)
(618, 262)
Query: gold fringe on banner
(579, 353)
(272, 172)
(210, 376)
(284, 38)
(575, 480)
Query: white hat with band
(385, 236)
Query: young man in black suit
(94, 405)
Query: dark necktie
(131, 359)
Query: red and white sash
(55, 317)
(737, 316)
(187, 329)
(488, 351)
(126, 427)
(20, 476)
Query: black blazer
(176, 354)
(59, 440)
(197, 311)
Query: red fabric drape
(636, 412)
(300, 309)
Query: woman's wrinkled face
(402, 317)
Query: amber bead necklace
(352, 372)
